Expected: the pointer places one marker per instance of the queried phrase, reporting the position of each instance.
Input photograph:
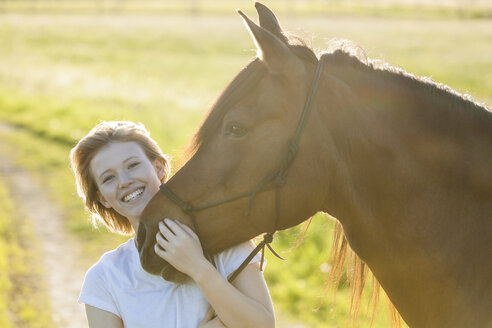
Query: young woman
(118, 168)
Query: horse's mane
(347, 53)
(342, 258)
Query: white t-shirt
(117, 283)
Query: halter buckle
(268, 238)
(280, 179)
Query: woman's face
(126, 178)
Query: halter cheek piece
(277, 177)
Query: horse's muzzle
(150, 261)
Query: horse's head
(244, 138)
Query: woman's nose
(125, 180)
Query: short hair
(82, 154)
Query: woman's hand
(180, 247)
(211, 321)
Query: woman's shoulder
(101, 280)
(230, 259)
(121, 255)
(237, 250)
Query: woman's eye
(108, 178)
(132, 165)
(236, 130)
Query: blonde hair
(85, 150)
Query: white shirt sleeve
(230, 259)
(96, 291)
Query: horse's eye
(236, 130)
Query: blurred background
(65, 65)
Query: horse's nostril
(141, 236)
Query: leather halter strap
(277, 176)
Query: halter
(277, 176)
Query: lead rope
(267, 239)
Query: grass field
(61, 74)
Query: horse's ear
(269, 22)
(271, 50)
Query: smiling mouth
(133, 195)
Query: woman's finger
(160, 251)
(161, 240)
(174, 226)
(166, 231)
(188, 230)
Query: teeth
(133, 195)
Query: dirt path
(63, 277)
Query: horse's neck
(415, 181)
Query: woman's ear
(160, 168)
(103, 200)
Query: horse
(403, 163)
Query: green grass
(23, 301)
(61, 74)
